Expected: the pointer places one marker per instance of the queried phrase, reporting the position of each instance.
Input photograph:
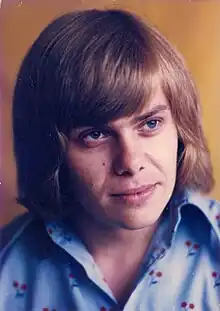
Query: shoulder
(12, 231)
(207, 208)
(28, 255)
(23, 236)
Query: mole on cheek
(103, 163)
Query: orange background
(193, 27)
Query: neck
(111, 242)
(117, 251)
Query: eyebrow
(143, 117)
(151, 113)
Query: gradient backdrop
(192, 26)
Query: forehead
(157, 99)
(157, 103)
(154, 104)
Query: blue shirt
(45, 267)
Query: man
(112, 163)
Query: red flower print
(15, 284)
(217, 217)
(186, 306)
(72, 280)
(196, 246)
(50, 231)
(71, 276)
(19, 288)
(216, 277)
(214, 274)
(192, 248)
(154, 277)
(159, 274)
(188, 243)
(23, 286)
(47, 309)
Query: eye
(152, 125)
(94, 137)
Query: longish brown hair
(87, 68)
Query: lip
(135, 196)
(137, 190)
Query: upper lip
(136, 190)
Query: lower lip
(137, 198)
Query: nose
(129, 159)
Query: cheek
(169, 156)
(165, 152)
(89, 170)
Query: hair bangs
(111, 80)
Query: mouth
(133, 191)
(135, 196)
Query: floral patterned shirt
(45, 267)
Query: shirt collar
(171, 219)
(209, 208)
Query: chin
(138, 224)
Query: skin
(127, 153)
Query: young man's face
(125, 172)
